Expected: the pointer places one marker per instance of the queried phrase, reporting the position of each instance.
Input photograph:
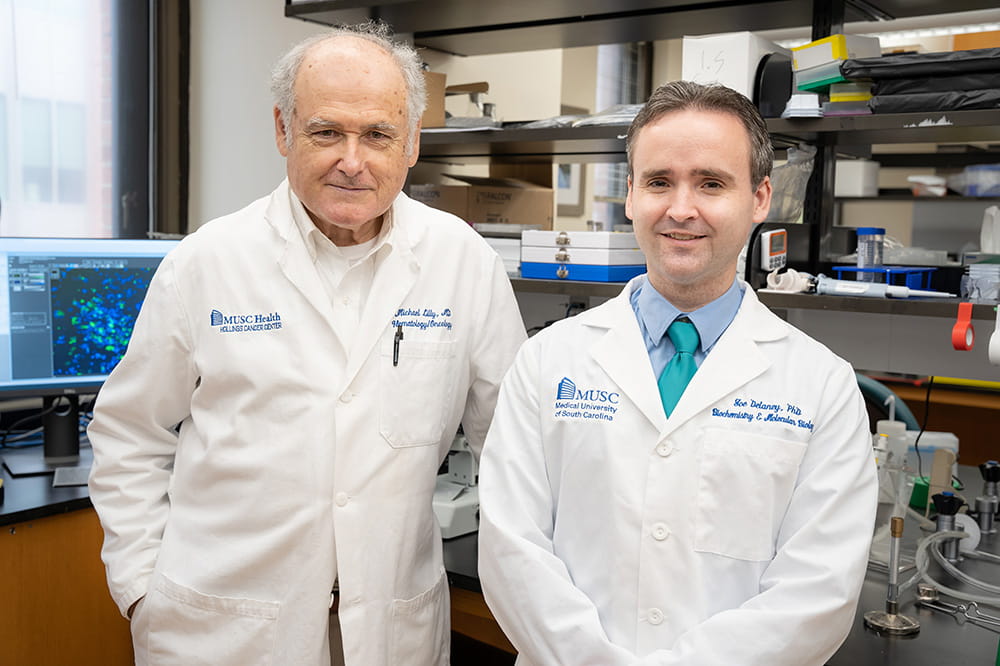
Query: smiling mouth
(676, 235)
(349, 188)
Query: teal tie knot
(681, 368)
(684, 336)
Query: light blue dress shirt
(655, 313)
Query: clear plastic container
(871, 244)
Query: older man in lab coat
(630, 518)
(295, 378)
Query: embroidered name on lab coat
(422, 318)
(750, 410)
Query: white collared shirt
(347, 272)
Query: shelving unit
(866, 328)
(607, 143)
(479, 27)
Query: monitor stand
(61, 434)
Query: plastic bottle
(871, 242)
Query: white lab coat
(611, 535)
(295, 456)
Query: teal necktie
(681, 368)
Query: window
(75, 117)
(3, 150)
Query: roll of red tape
(963, 336)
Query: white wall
(234, 43)
(234, 160)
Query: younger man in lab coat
(630, 518)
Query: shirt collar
(314, 238)
(711, 320)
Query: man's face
(347, 158)
(692, 204)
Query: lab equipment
(825, 285)
(871, 244)
(988, 503)
(456, 495)
(773, 249)
(792, 281)
(928, 597)
(598, 256)
(947, 505)
(889, 620)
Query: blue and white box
(592, 256)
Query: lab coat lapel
(735, 360)
(395, 276)
(620, 352)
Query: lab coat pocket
(416, 391)
(188, 627)
(745, 482)
(420, 627)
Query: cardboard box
(451, 198)
(434, 113)
(728, 58)
(491, 200)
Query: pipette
(825, 285)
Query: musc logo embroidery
(591, 404)
(245, 323)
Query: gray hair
(287, 68)
(683, 95)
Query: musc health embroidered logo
(590, 404)
(245, 323)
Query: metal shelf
(945, 307)
(567, 287)
(479, 27)
(545, 145)
(607, 143)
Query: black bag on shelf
(971, 81)
(912, 65)
(955, 100)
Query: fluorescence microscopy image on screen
(93, 312)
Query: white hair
(284, 72)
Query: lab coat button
(655, 616)
(660, 531)
(347, 300)
(341, 499)
(664, 449)
(347, 396)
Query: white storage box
(595, 256)
(729, 58)
(606, 239)
(582, 255)
(856, 178)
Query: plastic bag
(788, 185)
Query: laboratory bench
(57, 606)
(941, 641)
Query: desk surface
(33, 497)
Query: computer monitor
(67, 309)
